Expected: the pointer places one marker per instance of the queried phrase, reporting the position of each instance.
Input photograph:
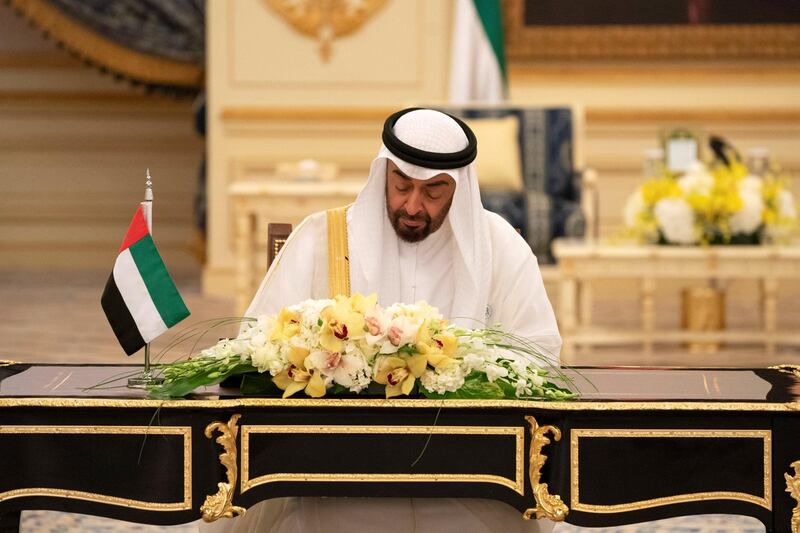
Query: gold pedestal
(703, 309)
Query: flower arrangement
(351, 345)
(722, 204)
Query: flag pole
(146, 379)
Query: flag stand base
(145, 380)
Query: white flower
(494, 371)
(472, 362)
(449, 379)
(751, 183)
(522, 388)
(786, 206)
(633, 207)
(536, 379)
(696, 180)
(748, 218)
(377, 321)
(676, 220)
(401, 330)
(266, 357)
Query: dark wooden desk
(648, 444)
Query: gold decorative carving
(793, 488)
(184, 431)
(788, 369)
(548, 505)
(656, 42)
(764, 501)
(6, 362)
(517, 484)
(221, 504)
(326, 19)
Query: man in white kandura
(417, 231)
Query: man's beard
(416, 234)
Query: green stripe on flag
(158, 281)
(491, 16)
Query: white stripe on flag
(475, 75)
(134, 292)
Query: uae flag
(478, 59)
(140, 299)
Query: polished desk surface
(640, 444)
(770, 387)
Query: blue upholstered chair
(544, 200)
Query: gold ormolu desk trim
(548, 505)
(577, 434)
(517, 484)
(793, 488)
(220, 504)
(115, 403)
(184, 431)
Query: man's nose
(414, 203)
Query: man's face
(417, 208)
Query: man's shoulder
(507, 243)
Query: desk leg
(585, 312)
(567, 314)
(648, 314)
(9, 522)
(244, 261)
(769, 299)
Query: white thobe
(517, 302)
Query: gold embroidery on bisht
(338, 258)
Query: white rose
(696, 180)
(748, 218)
(676, 220)
(633, 206)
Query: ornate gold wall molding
(660, 42)
(326, 20)
(751, 115)
(310, 114)
(90, 46)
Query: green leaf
(255, 383)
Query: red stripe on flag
(136, 230)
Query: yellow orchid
(362, 304)
(399, 373)
(287, 325)
(438, 348)
(340, 322)
(297, 377)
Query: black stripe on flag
(120, 318)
